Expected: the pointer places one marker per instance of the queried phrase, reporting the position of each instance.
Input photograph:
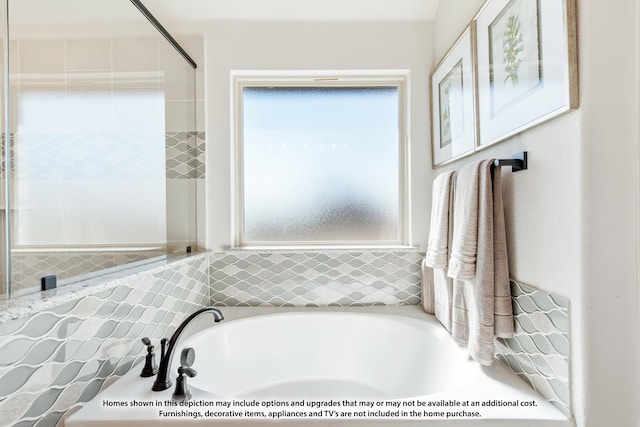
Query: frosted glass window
(320, 165)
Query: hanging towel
(443, 298)
(482, 307)
(428, 296)
(437, 294)
(441, 200)
(436, 286)
(464, 244)
(503, 308)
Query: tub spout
(163, 379)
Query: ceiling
(292, 10)
(112, 18)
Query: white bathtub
(327, 355)
(275, 357)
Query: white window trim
(326, 78)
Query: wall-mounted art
(526, 65)
(453, 121)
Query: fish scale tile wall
(539, 350)
(185, 155)
(316, 278)
(54, 359)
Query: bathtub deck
(503, 384)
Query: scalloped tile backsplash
(52, 360)
(340, 278)
(539, 349)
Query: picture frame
(526, 65)
(453, 102)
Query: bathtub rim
(93, 414)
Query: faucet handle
(182, 389)
(190, 372)
(150, 367)
(187, 358)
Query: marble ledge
(26, 304)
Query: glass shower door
(102, 123)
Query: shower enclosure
(101, 153)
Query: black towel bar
(517, 162)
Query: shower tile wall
(77, 69)
(185, 155)
(539, 350)
(184, 165)
(185, 147)
(51, 361)
(185, 171)
(342, 278)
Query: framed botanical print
(526, 65)
(453, 122)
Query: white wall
(572, 217)
(609, 50)
(310, 46)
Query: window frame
(369, 78)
